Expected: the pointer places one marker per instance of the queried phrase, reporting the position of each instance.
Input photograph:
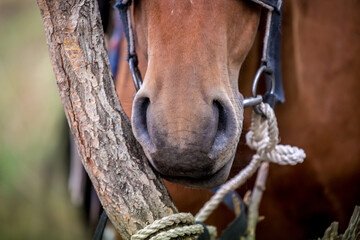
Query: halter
(270, 61)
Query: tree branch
(131, 194)
(256, 196)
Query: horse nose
(184, 138)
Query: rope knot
(264, 138)
(263, 134)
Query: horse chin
(205, 181)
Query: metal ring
(262, 69)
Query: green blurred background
(34, 201)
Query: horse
(126, 91)
(191, 48)
(196, 56)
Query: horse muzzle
(189, 142)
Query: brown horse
(188, 114)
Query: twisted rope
(262, 137)
(181, 224)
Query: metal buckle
(256, 99)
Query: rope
(182, 224)
(262, 137)
(231, 185)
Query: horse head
(188, 114)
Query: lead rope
(263, 137)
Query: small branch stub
(256, 196)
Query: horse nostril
(143, 104)
(139, 121)
(226, 127)
(222, 123)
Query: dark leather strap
(123, 7)
(273, 61)
(276, 4)
(101, 226)
(205, 235)
(228, 198)
(132, 56)
(236, 228)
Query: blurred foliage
(34, 201)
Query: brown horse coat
(321, 60)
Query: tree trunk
(131, 194)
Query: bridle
(270, 61)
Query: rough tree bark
(352, 232)
(131, 194)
